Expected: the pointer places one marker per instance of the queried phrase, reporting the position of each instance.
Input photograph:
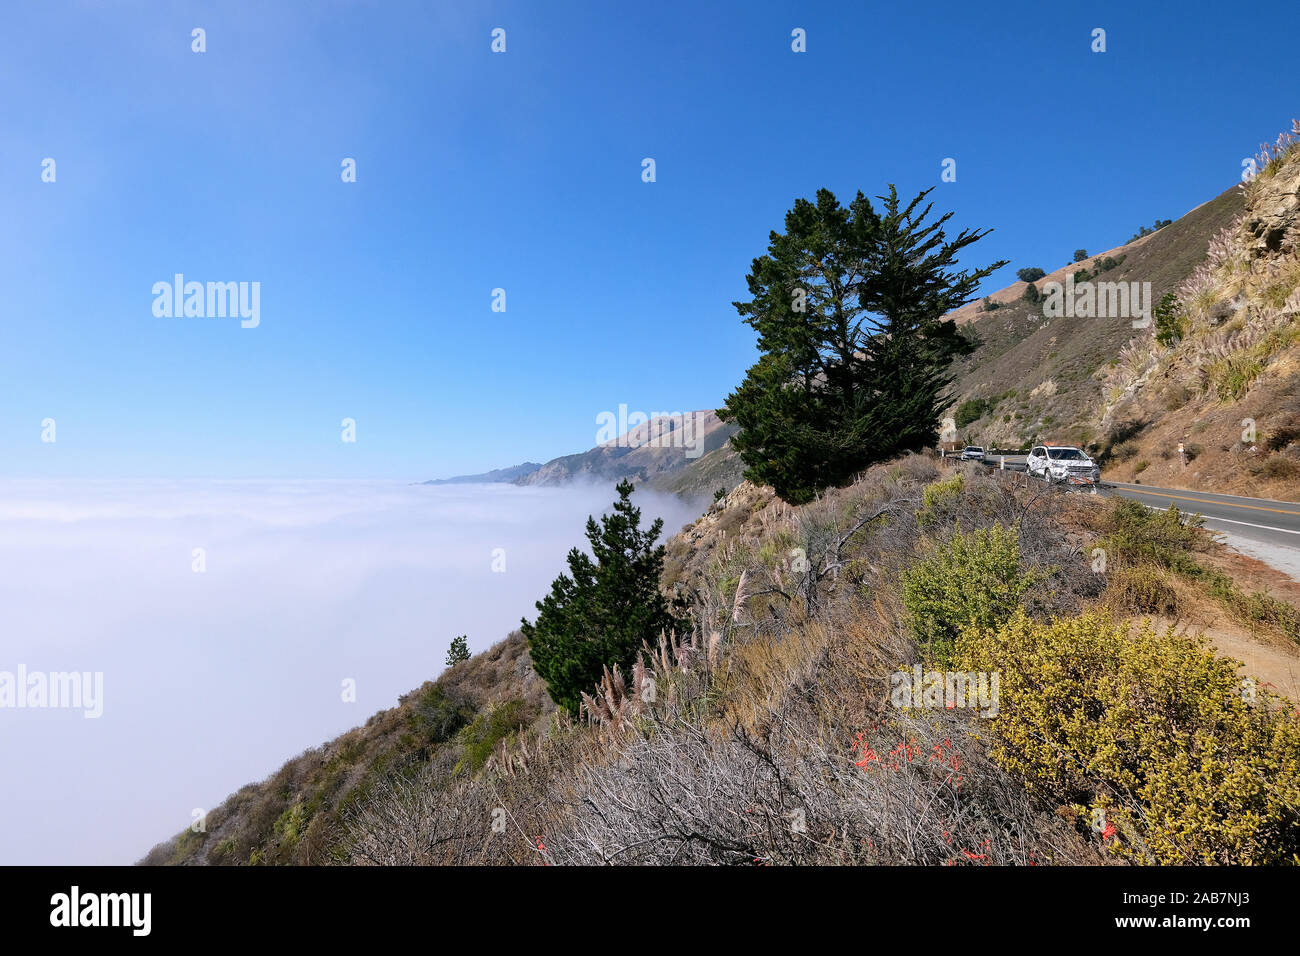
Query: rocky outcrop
(1272, 223)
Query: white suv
(1062, 463)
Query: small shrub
(1152, 728)
(439, 714)
(459, 650)
(1282, 436)
(290, 827)
(1143, 589)
(1176, 396)
(187, 844)
(1256, 607)
(1031, 274)
(971, 410)
(481, 737)
(938, 497)
(1137, 535)
(1141, 467)
(1232, 376)
(1279, 467)
(975, 580)
(1125, 451)
(1172, 322)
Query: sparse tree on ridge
(849, 306)
(459, 650)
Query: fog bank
(213, 677)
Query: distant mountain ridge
(651, 452)
(495, 476)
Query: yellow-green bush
(937, 496)
(975, 580)
(290, 826)
(1137, 535)
(481, 737)
(1152, 727)
(1232, 376)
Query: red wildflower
(868, 755)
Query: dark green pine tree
(602, 611)
(459, 650)
(855, 355)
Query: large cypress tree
(848, 304)
(603, 609)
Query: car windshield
(974, 448)
(1066, 454)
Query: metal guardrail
(988, 452)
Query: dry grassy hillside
(1044, 378)
(1224, 379)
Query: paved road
(1259, 519)
(1271, 524)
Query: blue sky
(522, 171)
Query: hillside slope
(1225, 380)
(779, 702)
(495, 476)
(1222, 379)
(1044, 377)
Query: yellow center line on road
(1208, 501)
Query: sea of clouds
(211, 680)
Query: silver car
(1062, 464)
(972, 453)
